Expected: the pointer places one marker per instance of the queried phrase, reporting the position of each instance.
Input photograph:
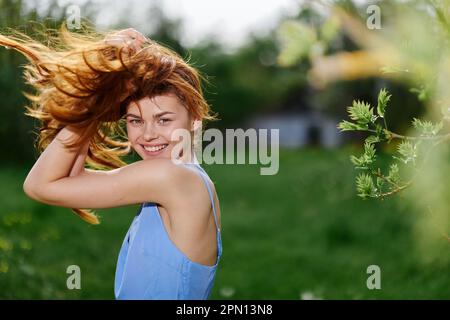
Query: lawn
(300, 233)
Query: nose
(149, 132)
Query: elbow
(38, 193)
(29, 190)
(32, 191)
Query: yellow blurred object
(350, 66)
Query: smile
(154, 148)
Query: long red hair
(80, 80)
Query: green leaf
(361, 112)
(393, 175)
(369, 150)
(427, 128)
(350, 126)
(358, 162)
(366, 159)
(380, 183)
(365, 186)
(372, 139)
(408, 151)
(383, 99)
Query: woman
(87, 86)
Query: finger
(141, 41)
(133, 33)
(140, 37)
(129, 38)
(128, 32)
(115, 40)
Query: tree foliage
(373, 182)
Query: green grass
(301, 231)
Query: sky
(230, 21)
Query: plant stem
(441, 138)
(398, 189)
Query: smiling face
(150, 132)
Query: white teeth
(157, 148)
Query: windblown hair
(83, 82)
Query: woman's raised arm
(78, 166)
(143, 181)
(56, 162)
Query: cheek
(132, 133)
(166, 131)
(176, 137)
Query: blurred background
(300, 234)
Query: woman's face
(150, 132)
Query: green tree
(411, 48)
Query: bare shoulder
(181, 184)
(168, 173)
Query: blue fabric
(150, 266)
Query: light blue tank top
(150, 266)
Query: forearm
(55, 162)
(78, 166)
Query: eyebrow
(154, 116)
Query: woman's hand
(131, 39)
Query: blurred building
(300, 127)
(300, 122)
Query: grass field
(300, 233)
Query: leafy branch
(373, 183)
